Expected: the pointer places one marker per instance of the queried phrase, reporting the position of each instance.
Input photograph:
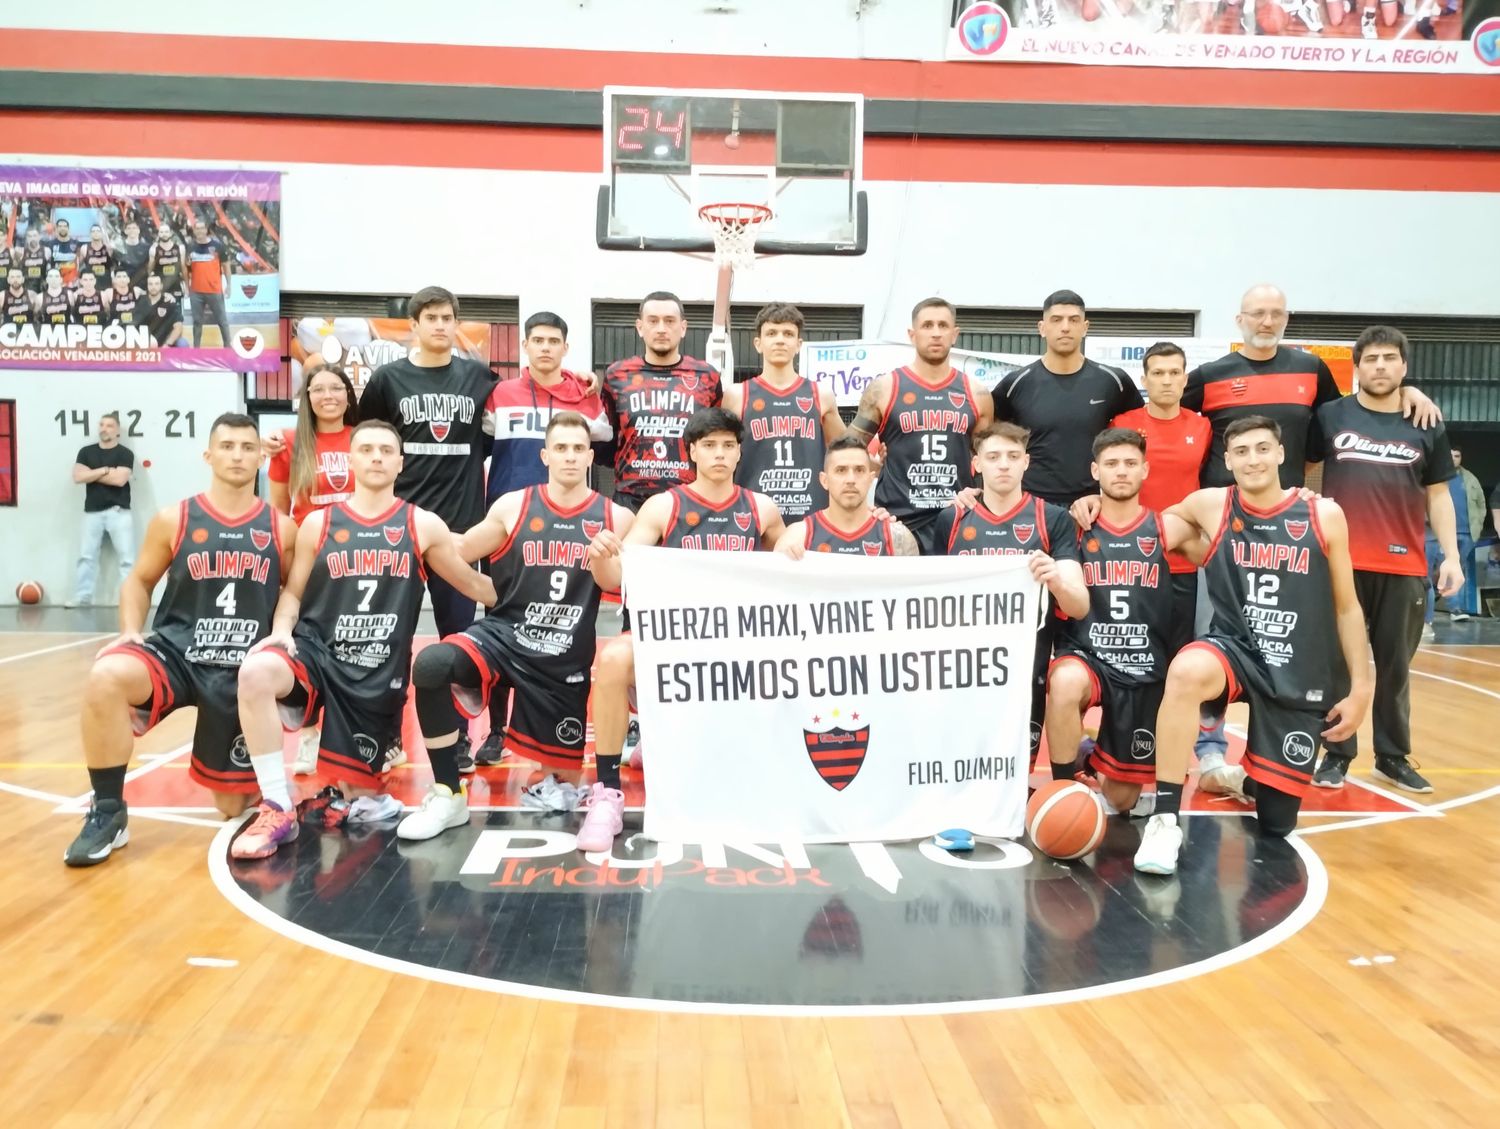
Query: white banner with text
(832, 699)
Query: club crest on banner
(837, 754)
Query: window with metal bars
(615, 337)
(1454, 360)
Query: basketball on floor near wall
(1065, 819)
(29, 592)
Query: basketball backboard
(669, 152)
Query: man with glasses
(1287, 385)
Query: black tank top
(122, 306)
(872, 539)
(19, 310)
(34, 264)
(88, 310)
(222, 584)
(1271, 590)
(56, 308)
(978, 533)
(926, 435)
(1130, 599)
(363, 598)
(784, 446)
(733, 526)
(169, 265)
(96, 261)
(547, 596)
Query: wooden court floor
(135, 994)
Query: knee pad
(433, 668)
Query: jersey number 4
(225, 600)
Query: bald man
(1287, 384)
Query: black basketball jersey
(222, 584)
(96, 261)
(169, 265)
(122, 307)
(34, 264)
(19, 309)
(1271, 590)
(1130, 599)
(925, 430)
(872, 539)
(732, 526)
(1029, 525)
(547, 595)
(363, 598)
(784, 447)
(56, 308)
(88, 309)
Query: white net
(734, 227)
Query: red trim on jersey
(1232, 684)
(367, 522)
(1287, 500)
(1277, 776)
(672, 520)
(541, 492)
(161, 701)
(1106, 765)
(720, 507)
(969, 392)
(1096, 692)
(359, 772)
(1312, 510)
(534, 749)
(182, 525)
(947, 380)
(835, 531)
(489, 676)
(890, 401)
(208, 508)
(1131, 528)
(241, 782)
(327, 520)
(1260, 388)
(510, 535)
(988, 515)
(889, 535)
(304, 680)
(279, 525)
(416, 545)
(1213, 542)
(1041, 528)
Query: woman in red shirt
(311, 472)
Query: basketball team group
(1186, 563)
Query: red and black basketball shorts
(220, 760)
(356, 729)
(1126, 747)
(549, 713)
(1283, 740)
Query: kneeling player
(1116, 656)
(848, 524)
(223, 553)
(712, 514)
(1285, 618)
(537, 640)
(341, 638)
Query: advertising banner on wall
(362, 345)
(1417, 36)
(140, 270)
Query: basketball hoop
(734, 228)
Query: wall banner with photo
(1414, 36)
(362, 345)
(140, 269)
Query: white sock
(270, 774)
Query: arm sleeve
(1000, 394)
(1328, 388)
(86, 459)
(372, 402)
(1192, 395)
(1129, 397)
(129, 456)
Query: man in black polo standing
(436, 401)
(104, 469)
(1388, 474)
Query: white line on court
(32, 793)
(1460, 658)
(58, 647)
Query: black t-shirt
(1288, 388)
(440, 415)
(96, 495)
(133, 259)
(160, 315)
(1378, 466)
(1063, 414)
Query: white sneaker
(1428, 634)
(372, 809)
(441, 809)
(1226, 780)
(1311, 18)
(1367, 25)
(305, 763)
(1160, 845)
(605, 820)
(551, 794)
(1145, 804)
(1458, 616)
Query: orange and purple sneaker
(270, 828)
